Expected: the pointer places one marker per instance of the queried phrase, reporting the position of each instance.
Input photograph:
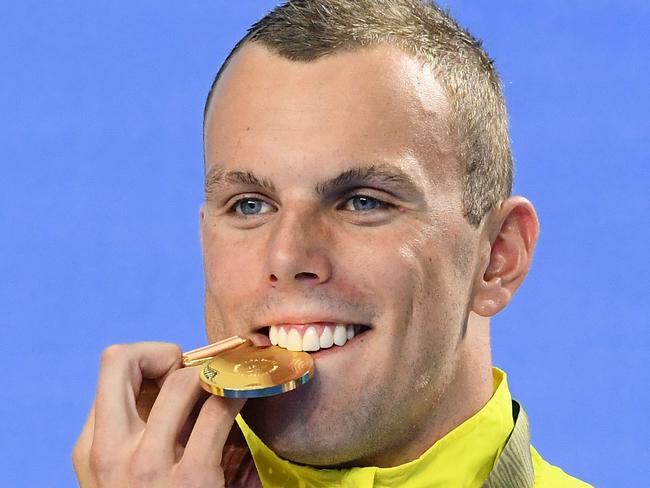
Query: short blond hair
(305, 30)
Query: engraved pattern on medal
(209, 372)
(256, 366)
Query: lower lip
(259, 339)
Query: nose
(298, 252)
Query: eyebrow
(218, 177)
(386, 177)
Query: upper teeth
(337, 334)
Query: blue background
(100, 185)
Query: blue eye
(361, 203)
(252, 206)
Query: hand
(133, 438)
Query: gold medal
(235, 368)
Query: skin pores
(335, 195)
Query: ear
(511, 234)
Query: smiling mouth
(312, 337)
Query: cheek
(375, 262)
(393, 276)
(231, 265)
(425, 277)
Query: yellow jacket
(490, 449)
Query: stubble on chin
(363, 428)
(308, 428)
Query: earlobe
(491, 299)
(512, 232)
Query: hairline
(474, 209)
(351, 48)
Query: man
(358, 179)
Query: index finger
(122, 371)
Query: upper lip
(305, 320)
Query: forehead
(372, 104)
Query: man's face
(334, 196)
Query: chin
(298, 426)
(295, 429)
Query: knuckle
(196, 477)
(112, 354)
(185, 478)
(101, 460)
(78, 455)
(143, 466)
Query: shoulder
(547, 475)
